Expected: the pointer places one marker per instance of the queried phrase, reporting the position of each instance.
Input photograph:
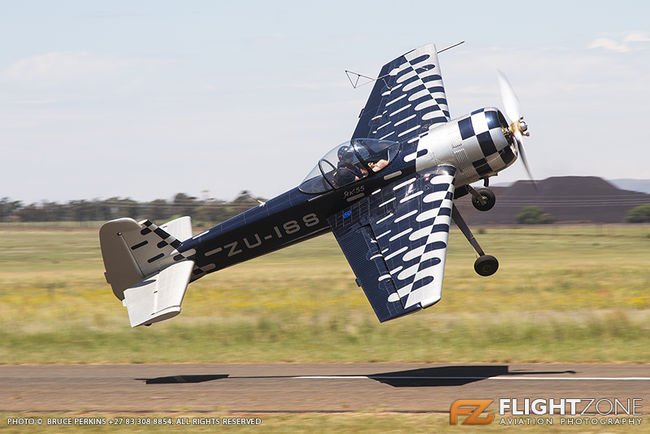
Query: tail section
(144, 267)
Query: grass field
(562, 294)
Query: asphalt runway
(296, 388)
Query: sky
(150, 98)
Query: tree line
(534, 215)
(201, 210)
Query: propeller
(518, 126)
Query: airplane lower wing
(396, 241)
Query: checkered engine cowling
(477, 144)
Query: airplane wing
(396, 241)
(408, 97)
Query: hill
(567, 198)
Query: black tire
(486, 265)
(488, 196)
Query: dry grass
(561, 294)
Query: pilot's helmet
(345, 154)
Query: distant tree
(243, 201)
(638, 214)
(53, 211)
(212, 211)
(185, 204)
(30, 213)
(116, 207)
(533, 215)
(82, 210)
(158, 209)
(243, 196)
(8, 207)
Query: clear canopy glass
(349, 162)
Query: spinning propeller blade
(509, 99)
(518, 126)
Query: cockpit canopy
(349, 162)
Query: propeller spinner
(518, 126)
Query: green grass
(561, 294)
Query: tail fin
(144, 267)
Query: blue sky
(146, 99)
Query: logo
(548, 411)
(472, 408)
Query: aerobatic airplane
(387, 195)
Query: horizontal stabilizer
(145, 268)
(134, 250)
(159, 296)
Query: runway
(297, 388)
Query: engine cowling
(478, 144)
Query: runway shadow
(423, 377)
(449, 375)
(175, 379)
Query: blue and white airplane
(387, 194)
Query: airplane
(387, 195)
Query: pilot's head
(345, 154)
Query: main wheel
(489, 199)
(486, 265)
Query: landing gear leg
(485, 265)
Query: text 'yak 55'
(387, 194)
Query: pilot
(347, 172)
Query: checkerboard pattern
(407, 99)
